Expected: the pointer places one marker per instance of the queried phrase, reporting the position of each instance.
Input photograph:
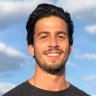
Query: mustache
(53, 49)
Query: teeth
(53, 54)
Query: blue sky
(17, 65)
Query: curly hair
(46, 10)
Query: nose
(53, 42)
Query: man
(49, 37)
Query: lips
(53, 53)
(53, 56)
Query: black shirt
(26, 89)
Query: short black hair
(46, 10)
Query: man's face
(51, 44)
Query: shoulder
(16, 91)
(78, 92)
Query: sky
(17, 65)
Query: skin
(51, 50)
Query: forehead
(51, 23)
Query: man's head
(49, 37)
(47, 10)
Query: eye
(61, 37)
(44, 37)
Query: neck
(53, 82)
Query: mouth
(53, 54)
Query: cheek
(64, 45)
(66, 49)
(40, 44)
(39, 48)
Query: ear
(70, 49)
(31, 49)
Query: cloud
(91, 81)
(91, 29)
(12, 11)
(94, 95)
(86, 56)
(16, 10)
(81, 9)
(90, 78)
(71, 64)
(5, 87)
(10, 58)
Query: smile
(53, 54)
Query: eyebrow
(58, 32)
(62, 32)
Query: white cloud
(86, 56)
(10, 59)
(9, 51)
(16, 11)
(91, 29)
(70, 63)
(81, 4)
(94, 95)
(81, 9)
(5, 87)
(90, 78)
